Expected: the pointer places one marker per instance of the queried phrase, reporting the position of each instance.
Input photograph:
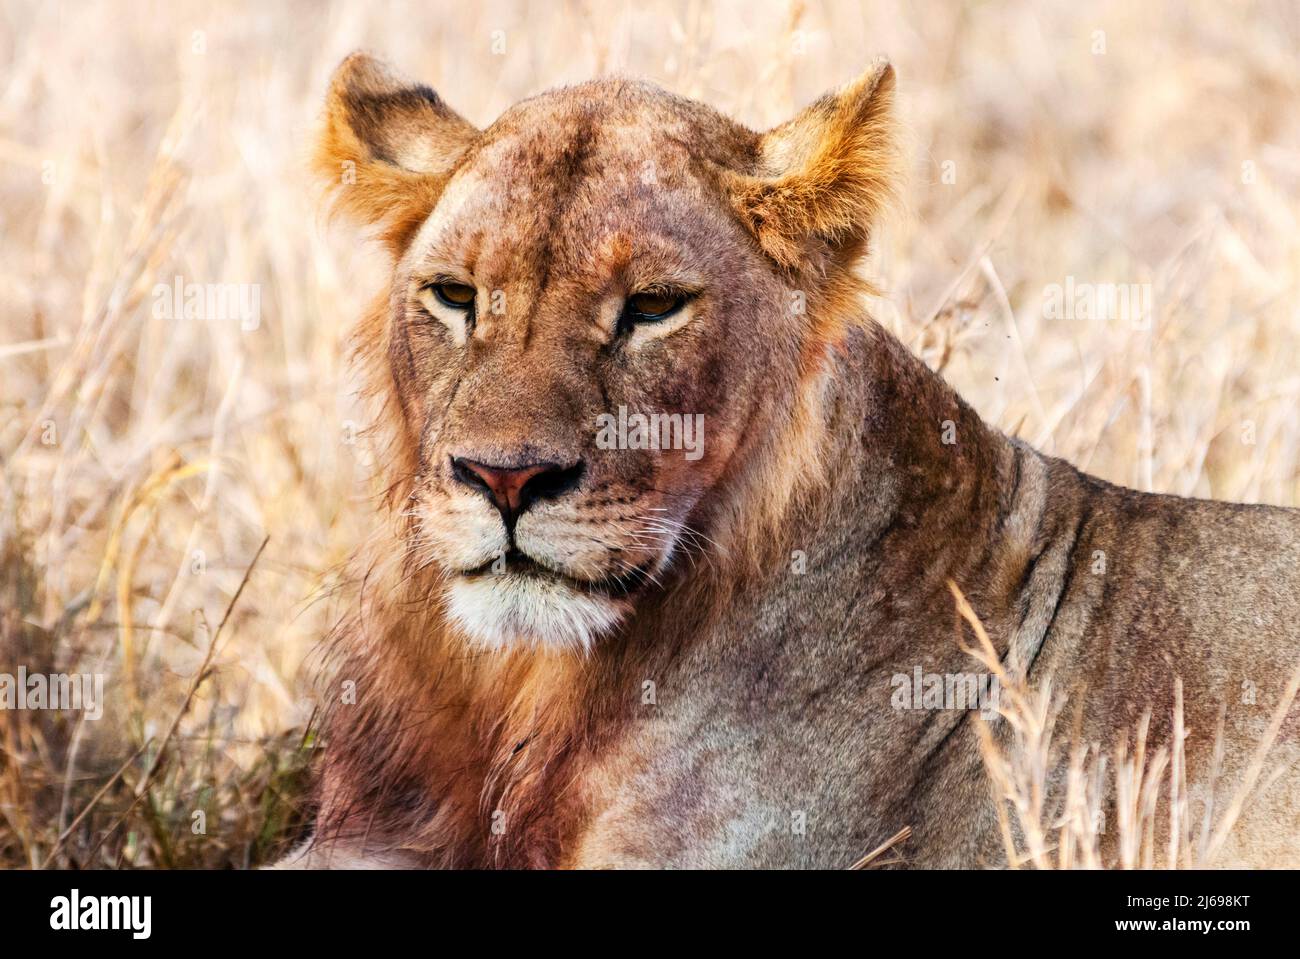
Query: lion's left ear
(387, 147)
(825, 175)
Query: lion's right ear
(826, 175)
(387, 147)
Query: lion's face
(578, 297)
(582, 334)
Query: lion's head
(603, 308)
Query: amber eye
(654, 305)
(459, 296)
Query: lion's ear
(387, 147)
(825, 175)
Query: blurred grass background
(143, 460)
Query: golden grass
(143, 460)
(1049, 827)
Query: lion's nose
(511, 489)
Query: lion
(579, 647)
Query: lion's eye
(459, 296)
(652, 306)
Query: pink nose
(512, 488)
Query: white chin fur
(508, 611)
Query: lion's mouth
(521, 564)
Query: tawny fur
(737, 691)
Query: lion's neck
(895, 466)
(898, 456)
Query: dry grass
(1051, 824)
(143, 460)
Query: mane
(442, 742)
